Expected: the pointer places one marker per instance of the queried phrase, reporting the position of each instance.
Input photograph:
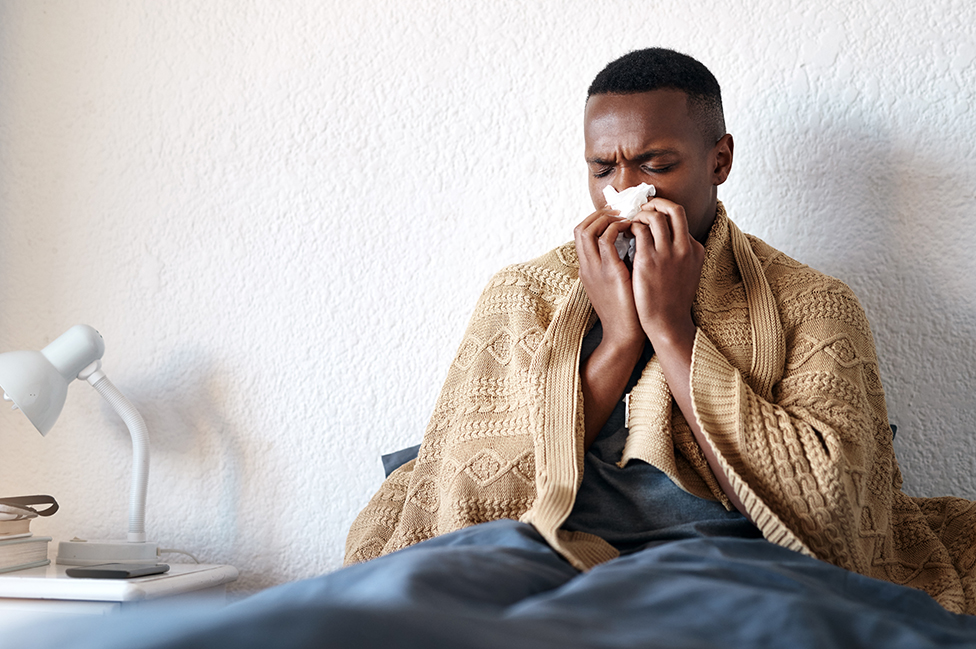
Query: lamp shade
(37, 382)
(35, 387)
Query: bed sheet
(499, 585)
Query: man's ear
(722, 159)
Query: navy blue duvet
(498, 585)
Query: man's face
(649, 137)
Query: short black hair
(657, 68)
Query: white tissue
(628, 203)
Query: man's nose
(627, 177)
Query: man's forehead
(637, 119)
(654, 106)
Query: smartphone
(117, 570)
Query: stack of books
(19, 548)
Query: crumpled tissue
(628, 203)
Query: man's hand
(606, 278)
(667, 268)
(607, 281)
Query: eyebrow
(643, 157)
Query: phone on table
(117, 570)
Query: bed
(498, 585)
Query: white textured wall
(279, 215)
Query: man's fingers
(677, 219)
(602, 213)
(608, 239)
(589, 235)
(660, 226)
(595, 239)
(643, 236)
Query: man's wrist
(623, 347)
(668, 335)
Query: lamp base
(91, 553)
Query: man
(754, 405)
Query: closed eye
(659, 170)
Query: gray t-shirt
(636, 505)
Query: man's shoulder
(555, 271)
(805, 295)
(789, 277)
(533, 289)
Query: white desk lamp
(37, 383)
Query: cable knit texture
(785, 387)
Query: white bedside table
(28, 594)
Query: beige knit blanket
(785, 386)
